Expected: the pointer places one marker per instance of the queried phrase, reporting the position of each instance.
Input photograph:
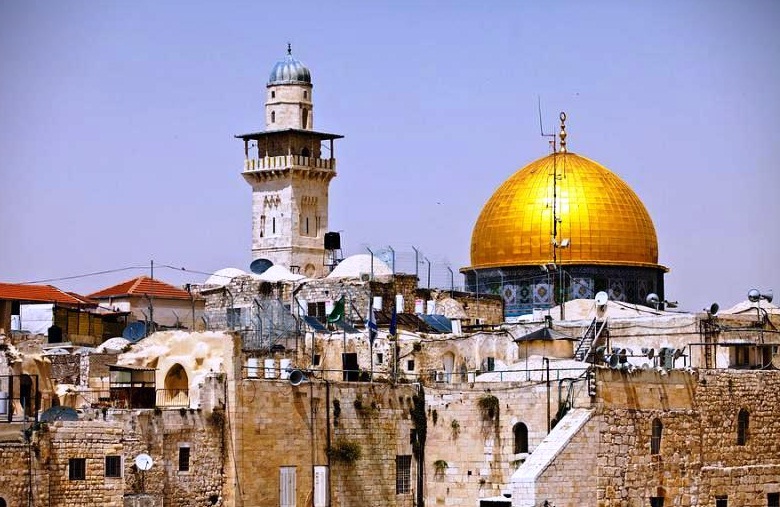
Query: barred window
(113, 466)
(743, 421)
(77, 469)
(657, 501)
(184, 459)
(721, 501)
(655, 439)
(403, 474)
(773, 499)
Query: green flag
(338, 311)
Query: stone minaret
(290, 172)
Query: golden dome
(603, 219)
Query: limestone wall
(274, 425)
(117, 433)
(478, 449)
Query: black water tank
(332, 241)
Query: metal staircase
(591, 338)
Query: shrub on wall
(345, 451)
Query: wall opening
(520, 432)
(655, 439)
(743, 421)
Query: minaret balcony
(288, 162)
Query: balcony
(288, 162)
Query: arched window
(273, 116)
(743, 422)
(304, 118)
(655, 439)
(2, 502)
(520, 431)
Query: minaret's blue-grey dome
(289, 71)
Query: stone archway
(176, 387)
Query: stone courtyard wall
(479, 450)
(275, 424)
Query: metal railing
(172, 398)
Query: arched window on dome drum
(743, 421)
(520, 431)
(655, 439)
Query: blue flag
(393, 323)
(371, 323)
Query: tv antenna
(541, 125)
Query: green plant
(345, 451)
(440, 466)
(455, 425)
(488, 407)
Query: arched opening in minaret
(305, 152)
(273, 116)
(304, 118)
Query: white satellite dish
(602, 298)
(143, 461)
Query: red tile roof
(142, 286)
(39, 294)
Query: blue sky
(118, 120)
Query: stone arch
(520, 433)
(743, 424)
(176, 379)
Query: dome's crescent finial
(289, 48)
(562, 134)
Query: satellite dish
(260, 266)
(769, 297)
(602, 298)
(614, 361)
(754, 295)
(714, 307)
(678, 353)
(652, 299)
(134, 331)
(143, 461)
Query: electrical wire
(85, 275)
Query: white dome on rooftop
(356, 265)
(224, 276)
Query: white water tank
(252, 365)
(285, 366)
(377, 303)
(270, 368)
(431, 307)
(399, 303)
(419, 306)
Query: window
(307, 226)
(273, 94)
(403, 474)
(113, 466)
(655, 439)
(273, 116)
(410, 365)
(656, 501)
(273, 225)
(77, 469)
(316, 360)
(305, 94)
(520, 431)
(773, 500)
(491, 363)
(317, 310)
(304, 118)
(380, 358)
(743, 421)
(722, 501)
(287, 486)
(233, 317)
(184, 458)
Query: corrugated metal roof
(38, 293)
(142, 286)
